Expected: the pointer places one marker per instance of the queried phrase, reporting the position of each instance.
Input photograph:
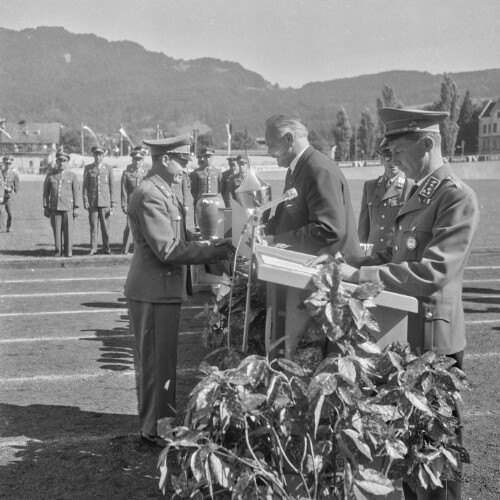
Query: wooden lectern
(286, 277)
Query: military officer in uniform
(10, 190)
(225, 180)
(157, 280)
(99, 198)
(434, 231)
(206, 178)
(61, 195)
(131, 177)
(381, 201)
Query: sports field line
(52, 280)
(121, 310)
(116, 278)
(85, 376)
(103, 337)
(56, 294)
(492, 280)
(483, 321)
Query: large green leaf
(373, 482)
(360, 445)
(419, 402)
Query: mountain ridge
(49, 74)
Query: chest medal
(411, 243)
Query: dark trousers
(451, 490)
(99, 215)
(156, 330)
(127, 238)
(9, 205)
(62, 225)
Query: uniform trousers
(156, 331)
(127, 238)
(9, 205)
(99, 215)
(451, 490)
(62, 224)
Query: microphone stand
(254, 220)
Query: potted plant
(350, 421)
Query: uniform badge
(411, 243)
(427, 190)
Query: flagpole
(121, 140)
(82, 139)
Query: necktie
(288, 178)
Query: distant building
(489, 128)
(31, 143)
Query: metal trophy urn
(209, 216)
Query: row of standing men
(61, 194)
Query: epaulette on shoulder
(454, 181)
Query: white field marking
(56, 294)
(478, 268)
(493, 280)
(120, 310)
(64, 339)
(53, 280)
(84, 376)
(484, 355)
(472, 295)
(10, 442)
(483, 322)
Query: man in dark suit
(225, 179)
(99, 198)
(382, 199)
(157, 280)
(434, 232)
(321, 216)
(61, 198)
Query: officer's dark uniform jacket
(379, 207)
(61, 191)
(433, 238)
(158, 272)
(206, 180)
(98, 186)
(131, 178)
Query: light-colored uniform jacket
(434, 233)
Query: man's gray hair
(287, 123)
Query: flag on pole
(90, 131)
(124, 135)
(229, 129)
(6, 134)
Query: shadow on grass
(50, 452)
(78, 251)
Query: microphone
(289, 194)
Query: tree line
(358, 140)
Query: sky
(288, 42)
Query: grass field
(31, 234)
(68, 425)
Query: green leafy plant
(342, 419)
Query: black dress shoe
(153, 441)
(69, 255)
(108, 252)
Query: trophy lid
(253, 191)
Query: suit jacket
(321, 217)
(61, 191)
(434, 233)
(225, 187)
(379, 208)
(157, 273)
(99, 186)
